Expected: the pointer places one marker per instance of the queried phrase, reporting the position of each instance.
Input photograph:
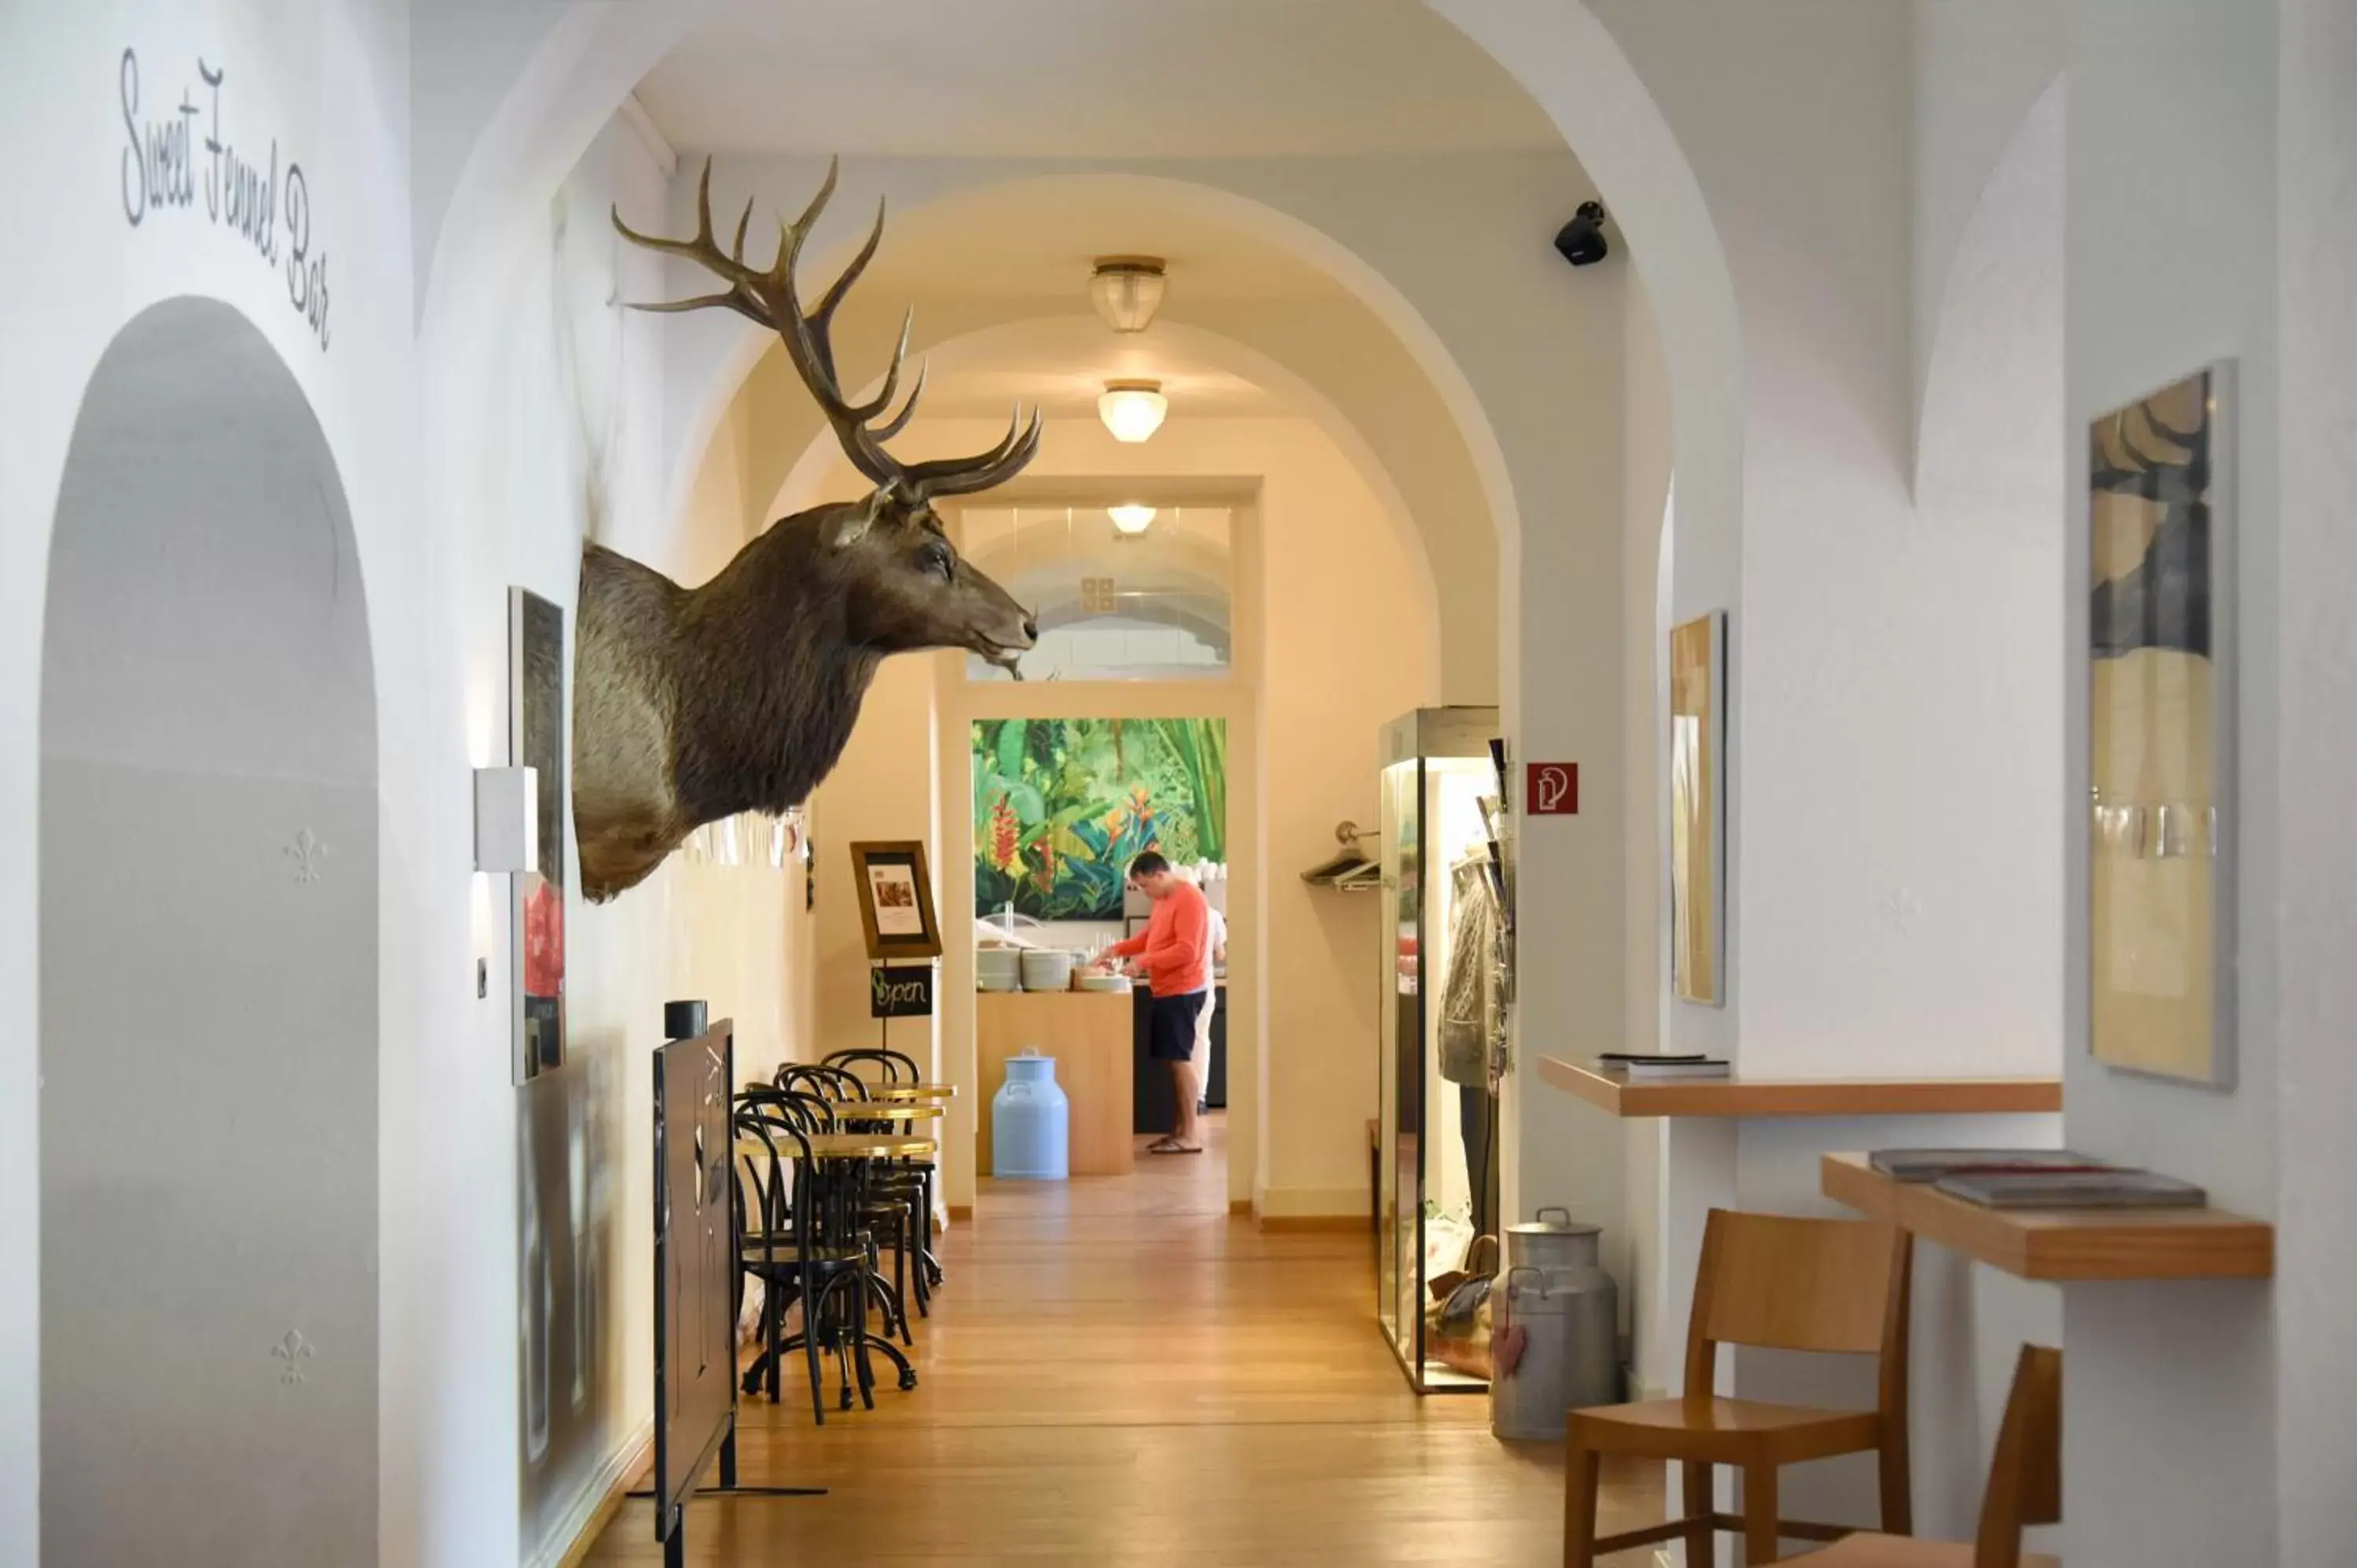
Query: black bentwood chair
(798, 1215)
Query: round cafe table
(884, 1111)
(912, 1092)
(842, 1146)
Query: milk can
(1030, 1122)
(1555, 1338)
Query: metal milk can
(1556, 1335)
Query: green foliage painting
(1060, 806)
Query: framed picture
(1698, 809)
(536, 739)
(896, 899)
(2161, 732)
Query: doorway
(208, 971)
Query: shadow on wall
(208, 971)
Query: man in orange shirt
(1176, 947)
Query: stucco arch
(1989, 448)
(708, 359)
(1468, 614)
(1572, 67)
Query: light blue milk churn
(1030, 1122)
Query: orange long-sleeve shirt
(1176, 944)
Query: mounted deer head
(693, 705)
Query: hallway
(1119, 1372)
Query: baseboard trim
(570, 1543)
(1239, 1206)
(961, 1213)
(1313, 1224)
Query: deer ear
(854, 526)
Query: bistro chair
(2025, 1488)
(804, 1237)
(897, 1067)
(1774, 1281)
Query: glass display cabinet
(1443, 936)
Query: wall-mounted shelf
(1615, 1094)
(2061, 1244)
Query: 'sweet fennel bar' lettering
(166, 167)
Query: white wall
(2168, 96)
(2316, 1414)
(292, 77)
(1978, 67)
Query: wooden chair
(1777, 1282)
(2025, 1487)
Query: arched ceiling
(1035, 240)
(1061, 364)
(1124, 78)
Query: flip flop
(1173, 1146)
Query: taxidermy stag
(691, 705)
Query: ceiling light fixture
(1132, 411)
(1127, 290)
(1130, 518)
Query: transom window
(1146, 598)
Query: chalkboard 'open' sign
(906, 992)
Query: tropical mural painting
(1061, 806)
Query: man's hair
(1151, 864)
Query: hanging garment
(1469, 993)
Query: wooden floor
(1118, 1372)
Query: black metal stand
(676, 1538)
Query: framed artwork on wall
(1062, 806)
(536, 740)
(896, 899)
(1698, 809)
(2161, 732)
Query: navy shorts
(1170, 1030)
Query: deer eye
(936, 558)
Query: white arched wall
(209, 909)
(800, 449)
(1391, 397)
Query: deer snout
(1031, 626)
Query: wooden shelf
(2061, 1244)
(1613, 1093)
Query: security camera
(1581, 241)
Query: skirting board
(1326, 1224)
(961, 1213)
(1241, 1206)
(1311, 1209)
(571, 1540)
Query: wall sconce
(507, 820)
(1132, 411)
(1130, 518)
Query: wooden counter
(1088, 1033)
(1613, 1093)
(2061, 1244)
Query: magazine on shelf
(1930, 1164)
(1647, 1068)
(2120, 1188)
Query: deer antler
(770, 297)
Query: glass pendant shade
(1132, 411)
(1127, 291)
